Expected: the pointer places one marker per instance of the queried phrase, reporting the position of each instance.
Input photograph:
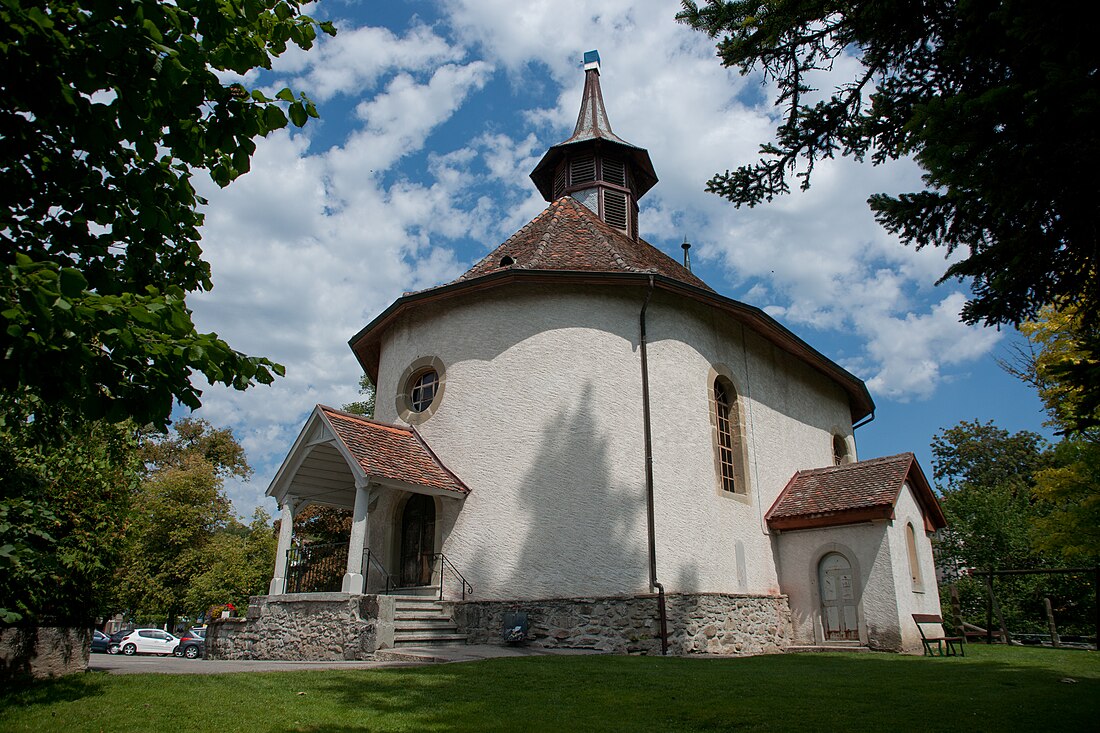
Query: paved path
(407, 657)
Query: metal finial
(687, 256)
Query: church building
(581, 443)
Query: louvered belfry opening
(602, 184)
(595, 166)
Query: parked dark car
(191, 645)
(100, 641)
(113, 644)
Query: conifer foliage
(998, 102)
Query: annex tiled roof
(854, 492)
(392, 452)
(568, 236)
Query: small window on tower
(582, 170)
(614, 171)
(615, 209)
(560, 177)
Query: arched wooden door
(839, 596)
(417, 540)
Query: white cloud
(353, 61)
(911, 351)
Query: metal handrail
(465, 584)
(368, 560)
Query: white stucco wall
(711, 540)
(926, 597)
(868, 549)
(542, 417)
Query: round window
(422, 389)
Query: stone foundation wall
(43, 651)
(711, 623)
(307, 627)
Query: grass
(994, 688)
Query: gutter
(864, 421)
(661, 611)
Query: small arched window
(840, 451)
(727, 423)
(914, 562)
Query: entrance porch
(397, 491)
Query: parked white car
(148, 641)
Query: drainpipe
(661, 614)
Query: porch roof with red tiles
(392, 452)
(852, 493)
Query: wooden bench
(944, 645)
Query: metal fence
(316, 568)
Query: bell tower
(595, 166)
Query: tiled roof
(852, 492)
(392, 452)
(568, 236)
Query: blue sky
(433, 115)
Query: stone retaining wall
(43, 651)
(712, 623)
(305, 626)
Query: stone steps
(813, 648)
(421, 621)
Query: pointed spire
(592, 120)
(629, 169)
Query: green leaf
(274, 119)
(298, 114)
(73, 282)
(285, 94)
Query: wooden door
(837, 582)
(417, 540)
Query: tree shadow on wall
(580, 525)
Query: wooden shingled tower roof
(568, 236)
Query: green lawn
(992, 689)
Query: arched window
(840, 451)
(727, 423)
(914, 562)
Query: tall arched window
(914, 562)
(727, 423)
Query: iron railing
(369, 561)
(320, 569)
(445, 563)
(316, 568)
